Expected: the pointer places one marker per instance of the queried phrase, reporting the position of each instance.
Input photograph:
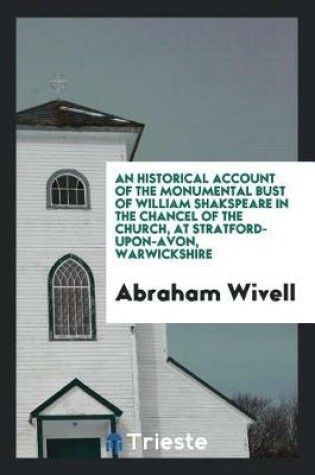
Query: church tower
(82, 382)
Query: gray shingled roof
(66, 114)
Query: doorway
(74, 448)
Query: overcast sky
(206, 89)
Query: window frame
(52, 336)
(79, 176)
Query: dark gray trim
(121, 129)
(113, 424)
(113, 429)
(75, 383)
(77, 174)
(136, 144)
(79, 417)
(40, 448)
(50, 300)
(207, 385)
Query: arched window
(71, 300)
(68, 189)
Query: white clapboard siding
(155, 396)
(173, 404)
(43, 236)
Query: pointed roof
(76, 383)
(65, 114)
(210, 388)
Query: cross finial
(58, 82)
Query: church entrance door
(73, 448)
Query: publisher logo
(114, 443)
(157, 442)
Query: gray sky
(260, 359)
(207, 89)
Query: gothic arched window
(67, 189)
(71, 300)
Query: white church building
(79, 379)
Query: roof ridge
(62, 113)
(209, 387)
(61, 102)
(75, 383)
